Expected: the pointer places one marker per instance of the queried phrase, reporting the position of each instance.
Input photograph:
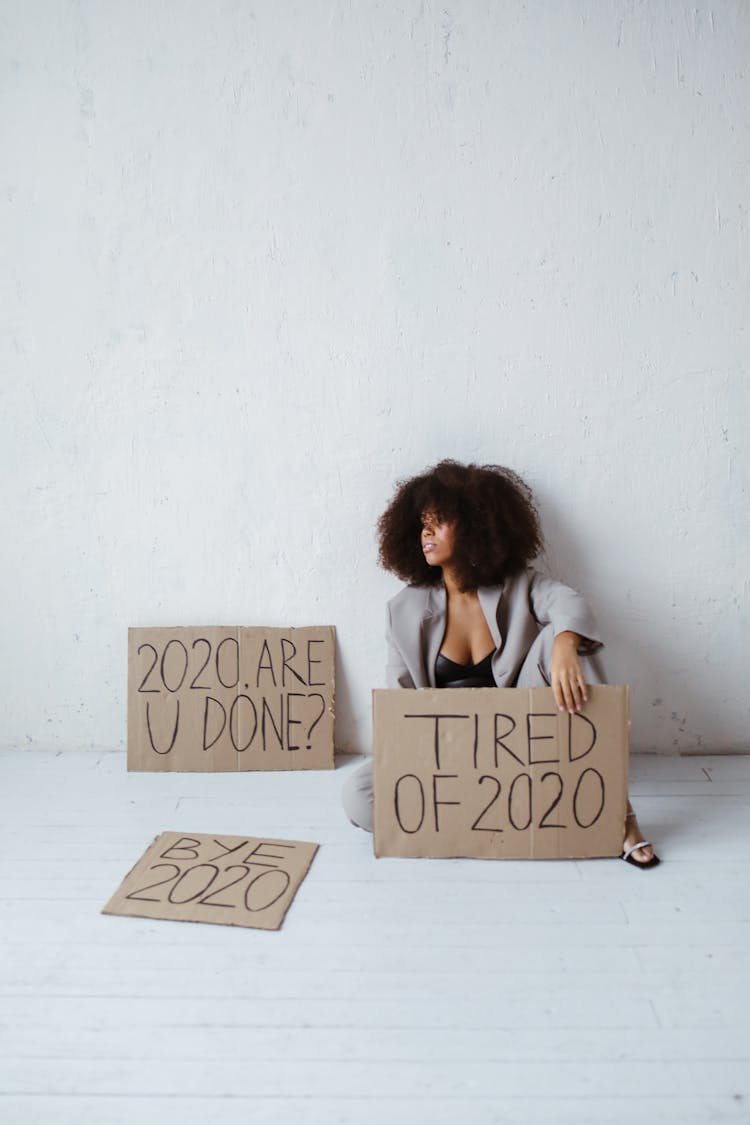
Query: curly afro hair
(496, 521)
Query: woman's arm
(575, 630)
(556, 604)
(397, 675)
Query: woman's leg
(357, 797)
(535, 672)
(633, 835)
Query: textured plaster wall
(262, 259)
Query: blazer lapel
(489, 599)
(433, 631)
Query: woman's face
(438, 539)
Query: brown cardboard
(228, 698)
(499, 773)
(227, 880)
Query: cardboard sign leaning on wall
(499, 773)
(227, 698)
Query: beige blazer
(516, 611)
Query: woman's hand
(568, 683)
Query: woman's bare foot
(633, 835)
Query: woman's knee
(356, 797)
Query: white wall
(262, 259)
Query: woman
(474, 614)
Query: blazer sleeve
(555, 604)
(397, 675)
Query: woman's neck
(452, 588)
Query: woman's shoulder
(512, 585)
(525, 577)
(407, 609)
(431, 598)
(409, 597)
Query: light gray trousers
(535, 672)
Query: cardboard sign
(499, 773)
(229, 880)
(222, 698)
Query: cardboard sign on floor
(230, 880)
(226, 698)
(499, 773)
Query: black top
(450, 674)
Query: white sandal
(627, 855)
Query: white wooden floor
(398, 991)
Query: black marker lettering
(143, 688)
(530, 738)
(543, 822)
(310, 681)
(207, 899)
(437, 719)
(257, 851)
(600, 786)
(520, 777)
(500, 735)
(235, 679)
(139, 895)
(254, 902)
(476, 826)
(206, 743)
(150, 732)
(316, 720)
(234, 723)
(397, 803)
(194, 683)
(163, 668)
(277, 728)
(227, 851)
(285, 661)
(290, 722)
(574, 757)
(265, 667)
(189, 877)
(435, 802)
(184, 848)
